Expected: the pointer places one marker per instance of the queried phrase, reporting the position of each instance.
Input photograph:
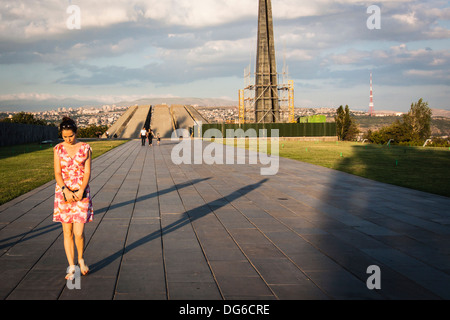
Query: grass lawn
(26, 167)
(425, 169)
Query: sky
(126, 50)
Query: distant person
(143, 135)
(107, 135)
(150, 137)
(73, 203)
(158, 138)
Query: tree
(397, 131)
(25, 118)
(346, 126)
(340, 119)
(92, 131)
(414, 129)
(418, 121)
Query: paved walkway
(165, 231)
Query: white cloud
(212, 52)
(101, 98)
(424, 73)
(137, 43)
(408, 18)
(41, 19)
(24, 20)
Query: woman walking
(73, 204)
(150, 137)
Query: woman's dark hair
(68, 124)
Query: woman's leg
(79, 242)
(78, 230)
(68, 242)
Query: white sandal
(70, 273)
(83, 267)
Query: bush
(92, 131)
(396, 131)
(439, 142)
(413, 130)
(25, 118)
(346, 126)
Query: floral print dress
(72, 170)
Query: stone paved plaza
(225, 232)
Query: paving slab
(166, 231)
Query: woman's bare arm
(58, 176)
(86, 177)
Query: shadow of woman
(189, 217)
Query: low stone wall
(17, 133)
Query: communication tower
(371, 110)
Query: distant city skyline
(130, 50)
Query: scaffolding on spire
(265, 99)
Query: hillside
(440, 126)
(53, 103)
(441, 113)
(210, 102)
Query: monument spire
(266, 87)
